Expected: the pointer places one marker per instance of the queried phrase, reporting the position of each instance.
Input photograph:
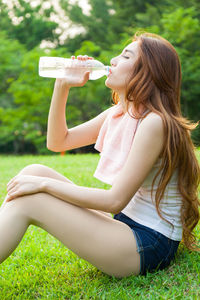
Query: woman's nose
(113, 61)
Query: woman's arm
(57, 126)
(147, 146)
(59, 137)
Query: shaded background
(99, 28)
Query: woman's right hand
(75, 76)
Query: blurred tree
(97, 23)
(108, 19)
(5, 21)
(24, 121)
(182, 29)
(31, 24)
(11, 54)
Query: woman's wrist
(61, 83)
(44, 185)
(61, 90)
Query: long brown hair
(156, 83)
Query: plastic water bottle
(58, 67)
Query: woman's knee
(35, 169)
(25, 206)
(17, 207)
(43, 171)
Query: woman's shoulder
(152, 125)
(152, 114)
(153, 120)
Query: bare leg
(106, 243)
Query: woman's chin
(108, 83)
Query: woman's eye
(127, 57)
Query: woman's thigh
(104, 242)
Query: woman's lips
(110, 72)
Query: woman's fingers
(10, 185)
(11, 189)
(82, 57)
(85, 78)
(12, 196)
(11, 181)
(13, 193)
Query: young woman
(147, 157)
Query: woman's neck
(131, 108)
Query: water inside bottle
(52, 67)
(56, 67)
(97, 73)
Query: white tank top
(142, 207)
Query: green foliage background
(25, 97)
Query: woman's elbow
(115, 211)
(118, 202)
(116, 205)
(52, 148)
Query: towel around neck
(114, 142)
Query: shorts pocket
(172, 251)
(165, 250)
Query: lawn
(43, 268)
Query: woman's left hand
(21, 185)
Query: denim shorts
(156, 250)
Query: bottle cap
(108, 69)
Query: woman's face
(121, 68)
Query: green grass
(43, 268)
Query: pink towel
(114, 142)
